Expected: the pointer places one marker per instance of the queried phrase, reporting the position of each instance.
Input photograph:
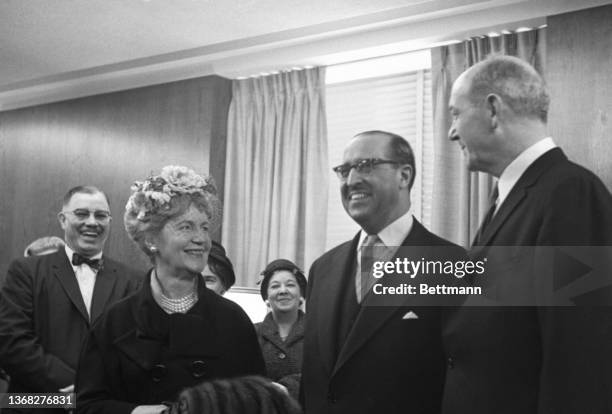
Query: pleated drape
(460, 198)
(276, 179)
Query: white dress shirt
(513, 172)
(391, 236)
(86, 278)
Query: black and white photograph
(306, 207)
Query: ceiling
(61, 49)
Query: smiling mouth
(90, 234)
(195, 252)
(357, 195)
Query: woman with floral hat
(174, 332)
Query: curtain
(276, 178)
(460, 198)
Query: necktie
(363, 279)
(95, 264)
(488, 217)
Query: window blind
(398, 103)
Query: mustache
(346, 188)
(91, 227)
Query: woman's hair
(277, 265)
(242, 395)
(162, 197)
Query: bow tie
(95, 264)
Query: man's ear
(494, 104)
(61, 217)
(407, 174)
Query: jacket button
(282, 355)
(158, 372)
(198, 369)
(450, 362)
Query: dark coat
(387, 363)
(532, 360)
(139, 355)
(283, 358)
(43, 320)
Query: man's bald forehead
(382, 137)
(385, 134)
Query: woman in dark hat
(219, 272)
(281, 334)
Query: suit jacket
(387, 364)
(43, 319)
(532, 359)
(138, 354)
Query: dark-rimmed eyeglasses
(364, 167)
(82, 214)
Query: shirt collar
(395, 233)
(519, 165)
(70, 253)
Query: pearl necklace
(180, 305)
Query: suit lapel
(105, 281)
(329, 294)
(64, 273)
(369, 320)
(518, 194)
(367, 323)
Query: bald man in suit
(528, 359)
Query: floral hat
(153, 195)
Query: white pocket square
(410, 315)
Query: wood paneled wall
(108, 141)
(579, 74)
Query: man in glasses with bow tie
(49, 302)
(359, 356)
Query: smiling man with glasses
(85, 219)
(376, 191)
(359, 358)
(48, 303)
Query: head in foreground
(242, 395)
